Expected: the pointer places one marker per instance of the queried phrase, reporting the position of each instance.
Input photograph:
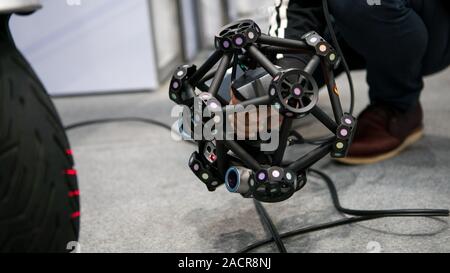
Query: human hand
(253, 120)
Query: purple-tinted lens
(175, 85)
(297, 91)
(239, 41)
(262, 176)
(344, 132)
(226, 44)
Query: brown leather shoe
(384, 132)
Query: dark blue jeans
(398, 42)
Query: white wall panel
(166, 31)
(212, 19)
(191, 35)
(98, 45)
(257, 10)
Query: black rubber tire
(39, 196)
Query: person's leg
(436, 17)
(401, 41)
(393, 40)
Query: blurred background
(102, 46)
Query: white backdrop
(83, 46)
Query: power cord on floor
(357, 216)
(268, 223)
(115, 120)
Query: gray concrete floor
(139, 196)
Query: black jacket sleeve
(292, 19)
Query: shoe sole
(410, 140)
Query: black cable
(267, 222)
(310, 229)
(327, 15)
(358, 216)
(320, 141)
(384, 213)
(313, 141)
(112, 120)
(126, 119)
